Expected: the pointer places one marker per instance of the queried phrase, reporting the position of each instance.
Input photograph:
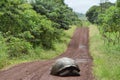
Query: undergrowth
(106, 58)
(33, 54)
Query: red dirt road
(78, 49)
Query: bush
(18, 47)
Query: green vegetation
(105, 40)
(56, 11)
(3, 52)
(81, 16)
(94, 12)
(37, 53)
(118, 3)
(30, 28)
(106, 62)
(108, 24)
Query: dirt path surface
(78, 49)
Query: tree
(18, 19)
(57, 12)
(92, 14)
(110, 24)
(11, 16)
(118, 3)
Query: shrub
(18, 47)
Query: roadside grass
(85, 23)
(38, 53)
(106, 61)
(3, 54)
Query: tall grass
(106, 61)
(3, 53)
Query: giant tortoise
(65, 67)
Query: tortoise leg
(75, 73)
(64, 73)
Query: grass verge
(106, 61)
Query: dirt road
(78, 49)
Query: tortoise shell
(65, 67)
